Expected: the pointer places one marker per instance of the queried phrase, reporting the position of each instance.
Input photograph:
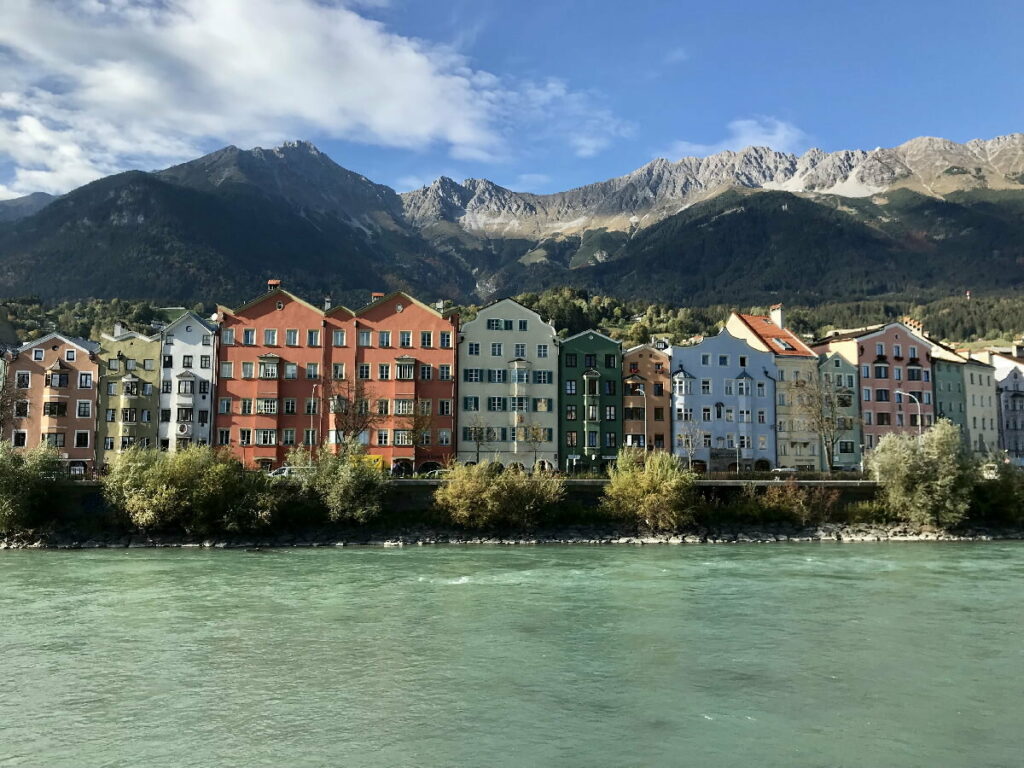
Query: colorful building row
(419, 390)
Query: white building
(188, 369)
(508, 387)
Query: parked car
(287, 471)
(438, 474)
(784, 471)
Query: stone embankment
(572, 535)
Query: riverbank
(576, 535)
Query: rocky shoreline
(571, 535)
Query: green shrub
(927, 480)
(196, 489)
(27, 483)
(1000, 500)
(349, 485)
(651, 489)
(481, 496)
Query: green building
(950, 394)
(590, 422)
(839, 380)
(129, 392)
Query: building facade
(724, 405)
(798, 443)
(1007, 365)
(839, 384)
(590, 408)
(948, 369)
(269, 378)
(396, 357)
(54, 381)
(647, 397)
(895, 372)
(982, 421)
(508, 388)
(188, 372)
(129, 400)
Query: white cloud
(90, 87)
(750, 132)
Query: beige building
(798, 444)
(508, 387)
(980, 399)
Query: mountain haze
(929, 217)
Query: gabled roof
(594, 332)
(651, 347)
(782, 342)
(85, 345)
(193, 317)
(407, 297)
(518, 304)
(264, 297)
(682, 373)
(130, 335)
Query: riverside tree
(197, 489)
(349, 484)
(652, 489)
(26, 484)
(926, 480)
(482, 496)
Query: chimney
(118, 328)
(777, 315)
(327, 302)
(1018, 349)
(376, 295)
(273, 285)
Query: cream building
(508, 387)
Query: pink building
(894, 363)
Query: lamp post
(918, 404)
(313, 411)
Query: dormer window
(37, 354)
(69, 355)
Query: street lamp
(918, 404)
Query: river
(790, 655)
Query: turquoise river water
(885, 655)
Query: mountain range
(927, 218)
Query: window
(590, 361)
(762, 416)
(473, 348)
(224, 405)
(113, 364)
(444, 407)
(542, 350)
(185, 414)
(426, 373)
(21, 409)
(404, 339)
(609, 413)
(543, 377)
(227, 336)
(55, 409)
(58, 380)
(291, 337)
(291, 371)
(312, 370)
(54, 439)
(403, 407)
(570, 439)
(444, 437)
(882, 395)
(446, 339)
(897, 350)
(520, 350)
(609, 361)
(312, 406)
(383, 436)
(338, 338)
(846, 446)
(497, 376)
(494, 324)
(384, 338)
(287, 437)
(403, 437)
(444, 372)
(289, 406)
(520, 376)
(247, 370)
(20, 438)
(85, 381)
(84, 409)
(363, 339)
(405, 371)
(426, 338)
(226, 370)
(338, 371)
(497, 404)
(37, 354)
(266, 437)
(705, 386)
(705, 414)
(269, 339)
(313, 338)
(743, 361)
(591, 439)
(383, 371)
(866, 394)
(245, 437)
(266, 406)
(248, 336)
(69, 355)
(471, 403)
(496, 349)
(223, 436)
(570, 387)
(723, 360)
(22, 380)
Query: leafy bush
(347, 483)
(652, 489)
(1000, 500)
(27, 481)
(480, 496)
(196, 489)
(799, 504)
(926, 480)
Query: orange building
(398, 364)
(293, 374)
(647, 398)
(53, 381)
(272, 357)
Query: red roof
(780, 341)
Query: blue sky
(540, 96)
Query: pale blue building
(723, 405)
